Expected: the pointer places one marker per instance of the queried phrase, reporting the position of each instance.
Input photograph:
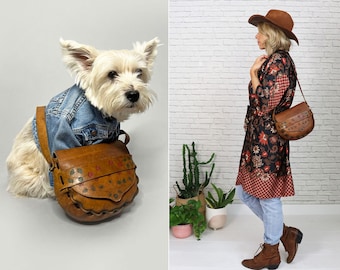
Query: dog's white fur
(27, 168)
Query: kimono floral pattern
(264, 169)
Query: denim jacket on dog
(72, 121)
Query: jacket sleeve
(274, 81)
(60, 133)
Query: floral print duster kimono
(264, 170)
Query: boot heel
(273, 266)
(299, 237)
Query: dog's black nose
(132, 96)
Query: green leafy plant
(188, 214)
(192, 185)
(222, 199)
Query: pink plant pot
(182, 231)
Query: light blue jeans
(269, 211)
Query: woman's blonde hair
(277, 40)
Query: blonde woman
(264, 173)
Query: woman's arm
(275, 81)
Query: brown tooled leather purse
(297, 121)
(91, 183)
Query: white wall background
(34, 233)
(211, 48)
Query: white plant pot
(216, 218)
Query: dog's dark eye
(139, 72)
(112, 75)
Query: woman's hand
(254, 69)
(258, 63)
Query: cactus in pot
(191, 183)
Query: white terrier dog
(110, 86)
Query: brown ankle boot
(269, 258)
(290, 239)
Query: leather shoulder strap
(297, 79)
(42, 133)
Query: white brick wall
(211, 48)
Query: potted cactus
(192, 186)
(186, 218)
(216, 207)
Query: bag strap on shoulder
(42, 133)
(297, 79)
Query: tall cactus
(191, 173)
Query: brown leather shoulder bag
(91, 183)
(295, 122)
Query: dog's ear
(78, 58)
(149, 50)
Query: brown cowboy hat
(277, 18)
